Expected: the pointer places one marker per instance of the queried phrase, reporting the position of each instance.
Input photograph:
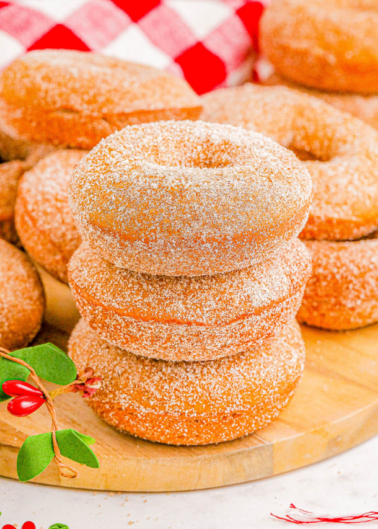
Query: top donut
(189, 198)
(329, 45)
(74, 99)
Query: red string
(309, 517)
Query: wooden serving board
(334, 409)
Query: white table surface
(345, 484)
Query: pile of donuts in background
(185, 226)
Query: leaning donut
(340, 152)
(189, 318)
(330, 46)
(191, 403)
(342, 292)
(361, 106)
(22, 300)
(71, 98)
(43, 218)
(188, 198)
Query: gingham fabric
(211, 43)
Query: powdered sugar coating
(21, 301)
(43, 217)
(71, 98)
(340, 152)
(189, 318)
(332, 46)
(191, 402)
(342, 292)
(188, 198)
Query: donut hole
(209, 155)
(308, 151)
(304, 156)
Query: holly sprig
(49, 363)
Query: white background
(346, 484)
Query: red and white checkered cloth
(212, 43)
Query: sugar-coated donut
(71, 98)
(340, 152)
(22, 299)
(189, 198)
(330, 46)
(23, 156)
(44, 220)
(10, 173)
(191, 403)
(361, 106)
(342, 292)
(189, 318)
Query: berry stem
(63, 468)
(73, 386)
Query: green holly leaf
(37, 452)
(49, 362)
(74, 445)
(35, 455)
(59, 526)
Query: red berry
(28, 525)
(8, 526)
(18, 388)
(22, 406)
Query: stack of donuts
(178, 239)
(331, 52)
(341, 154)
(189, 278)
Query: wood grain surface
(334, 409)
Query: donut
(10, 173)
(189, 318)
(74, 99)
(342, 292)
(188, 198)
(362, 106)
(339, 151)
(23, 158)
(330, 46)
(191, 403)
(44, 220)
(22, 300)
